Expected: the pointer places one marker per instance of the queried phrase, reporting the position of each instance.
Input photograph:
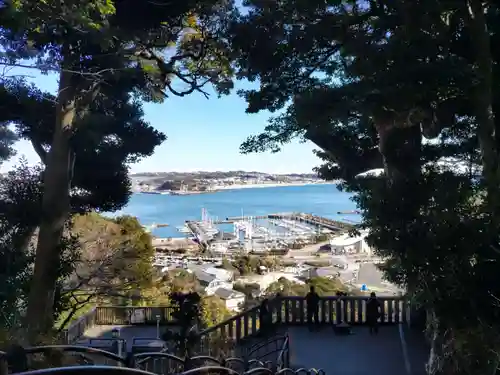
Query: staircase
(237, 344)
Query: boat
(183, 229)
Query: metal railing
(283, 360)
(77, 360)
(204, 370)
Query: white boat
(183, 229)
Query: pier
(322, 222)
(318, 221)
(153, 226)
(198, 232)
(204, 231)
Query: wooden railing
(119, 315)
(78, 328)
(284, 310)
(292, 311)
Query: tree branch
(37, 146)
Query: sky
(203, 135)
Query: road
(308, 251)
(356, 273)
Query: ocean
(322, 200)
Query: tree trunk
(55, 212)
(436, 337)
(483, 98)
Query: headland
(209, 182)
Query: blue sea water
(322, 200)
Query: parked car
(325, 248)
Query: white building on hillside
(220, 274)
(232, 298)
(346, 244)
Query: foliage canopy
(376, 88)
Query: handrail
(208, 330)
(333, 309)
(283, 360)
(107, 315)
(284, 310)
(76, 329)
(113, 370)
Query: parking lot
(373, 278)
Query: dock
(323, 222)
(151, 227)
(201, 232)
(318, 221)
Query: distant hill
(212, 175)
(200, 180)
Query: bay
(323, 200)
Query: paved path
(418, 350)
(357, 354)
(395, 351)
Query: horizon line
(224, 171)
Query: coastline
(259, 186)
(217, 188)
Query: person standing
(373, 313)
(312, 301)
(264, 317)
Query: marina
(259, 234)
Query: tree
(7, 139)
(325, 286)
(107, 190)
(94, 45)
(214, 311)
(114, 262)
(116, 118)
(246, 264)
(286, 288)
(182, 281)
(187, 312)
(19, 193)
(269, 262)
(366, 81)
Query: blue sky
(203, 135)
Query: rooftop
(203, 277)
(228, 293)
(347, 240)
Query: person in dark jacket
(373, 313)
(312, 301)
(264, 317)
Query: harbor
(261, 233)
